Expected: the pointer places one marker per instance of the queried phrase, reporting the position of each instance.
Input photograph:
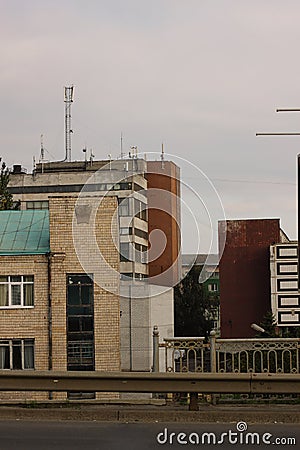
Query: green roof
(24, 232)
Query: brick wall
(34, 322)
(22, 323)
(65, 260)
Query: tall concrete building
(143, 304)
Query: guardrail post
(193, 406)
(155, 366)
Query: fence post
(155, 366)
(213, 359)
(213, 353)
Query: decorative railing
(257, 355)
(268, 355)
(185, 354)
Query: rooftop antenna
(33, 164)
(85, 155)
(92, 156)
(68, 130)
(134, 151)
(42, 154)
(162, 156)
(121, 146)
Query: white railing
(189, 354)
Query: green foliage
(269, 325)
(290, 332)
(194, 311)
(6, 198)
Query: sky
(203, 77)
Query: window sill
(16, 307)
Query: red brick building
(245, 293)
(164, 214)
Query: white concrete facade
(285, 298)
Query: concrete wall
(143, 307)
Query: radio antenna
(68, 129)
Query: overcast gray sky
(201, 76)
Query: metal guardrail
(247, 383)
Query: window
(137, 187)
(140, 276)
(125, 231)
(80, 322)
(287, 268)
(140, 209)
(213, 287)
(118, 186)
(124, 186)
(124, 207)
(126, 276)
(80, 353)
(129, 276)
(16, 291)
(140, 253)
(17, 354)
(141, 233)
(37, 205)
(125, 252)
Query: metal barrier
(23, 380)
(271, 355)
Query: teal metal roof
(24, 232)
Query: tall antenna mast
(68, 130)
(121, 146)
(42, 154)
(162, 156)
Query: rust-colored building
(163, 196)
(245, 273)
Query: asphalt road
(25, 435)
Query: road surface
(26, 435)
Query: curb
(206, 415)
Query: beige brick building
(142, 304)
(53, 315)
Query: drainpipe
(50, 393)
(130, 329)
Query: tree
(6, 198)
(269, 325)
(193, 310)
(290, 332)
